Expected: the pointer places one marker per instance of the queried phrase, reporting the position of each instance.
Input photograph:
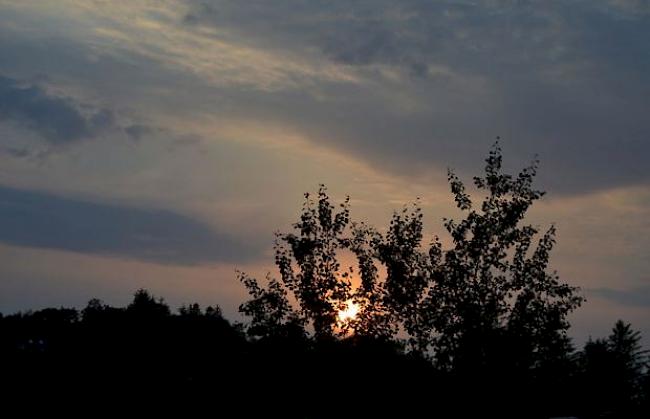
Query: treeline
(146, 354)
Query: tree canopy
(460, 306)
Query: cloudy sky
(160, 143)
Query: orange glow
(349, 312)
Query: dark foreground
(145, 359)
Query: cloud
(36, 219)
(137, 131)
(636, 297)
(57, 119)
(567, 81)
(17, 152)
(408, 87)
(630, 8)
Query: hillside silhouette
(477, 329)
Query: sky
(161, 143)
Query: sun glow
(349, 312)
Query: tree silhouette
(309, 268)
(144, 305)
(492, 284)
(486, 309)
(613, 372)
(458, 305)
(270, 312)
(625, 344)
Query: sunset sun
(349, 312)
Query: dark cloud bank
(36, 219)
(569, 81)
(58, 120)
(635, 297)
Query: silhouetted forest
(477, 328)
